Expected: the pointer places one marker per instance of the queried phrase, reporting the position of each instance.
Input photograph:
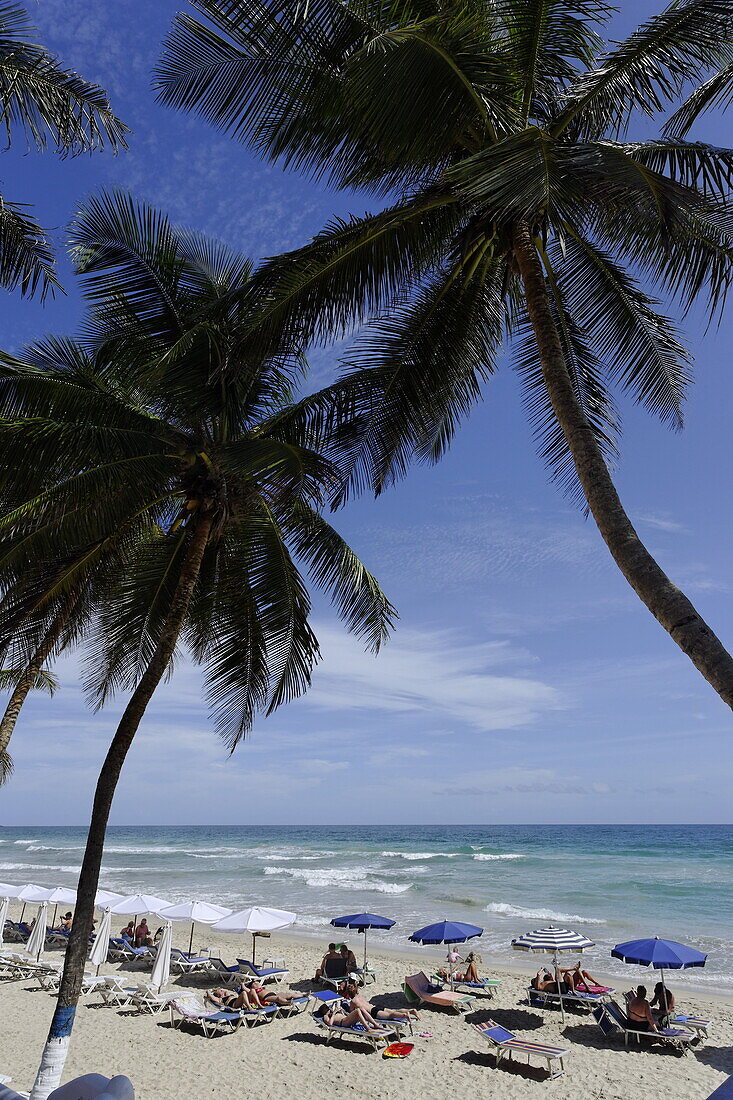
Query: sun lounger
(543, 998)
(376, 1036)
(121, 951)
(724, 1091)
(222, 970)
(186, 964)
(114, 992)
(147, 999)
(504, 1042)
(610, 1018)
(265, 974)
(486, 985)
(419, 990)
(695, 1023)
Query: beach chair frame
(614, 1016)
(554, 1057)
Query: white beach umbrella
(257, 918)
(60, 895)
(197, 912)
(134, 904)
(100, 947)
(31, 893)
(162, 966)
(4, 905)
(104, 898)
(37, 938)
(9, 891)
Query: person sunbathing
(354, 1018)
(469, 974)
(639, 1011)
(581, 981)
(545, 982)
(248, 997)
(65, 923)
(358, 1001)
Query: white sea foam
(504, 909)
(486, 856)
(420, 855)
(344, 878)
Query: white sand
(288, 1058)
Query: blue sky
(525, 682)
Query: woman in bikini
(248, 997)
(639, 1011)
(581, 981)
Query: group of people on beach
(140, 936)
(644, 1015)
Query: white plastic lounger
(187, 964)
(191, 1009)
(265, 974)
(147, 999)
(504, 1043)
(114, 992)
(374, 1037)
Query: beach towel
(398, 1050)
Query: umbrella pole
(559, 990)
(21, 914)
(664, 987)
(190, 941)
(365, 956)
(254, 945)
(53, 922)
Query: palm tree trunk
(666, 602)
(27, 680)
(57, 1043)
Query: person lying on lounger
(356, 1017)
(358, 1001)
(545, 982)
(248, 996)
(581, 981)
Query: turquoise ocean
(613, 883)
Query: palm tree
(520, 210)
(189, 426)
(47, 103)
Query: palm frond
(26, 258)
(712, 94)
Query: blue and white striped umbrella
(553, 940)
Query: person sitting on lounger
(470, 971)
(128, 933)
(639, 1011)
(65, 923)
(662, 1004)
(350, 957)
(332, 953)
(142, 935)
(358, 1001)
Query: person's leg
(471, 974)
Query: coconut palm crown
(520, 209)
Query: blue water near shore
(613, 883)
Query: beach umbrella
(448, 932)
(60, 895)
(162, 966)
(37, 938)
(100, 947)
(197, 912)
(361, 922)
(31, 893)
(8, 891)
(660, 955)
(104, 898)
(257, 918)
(553, 941)
(4, 906)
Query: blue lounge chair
(724, 1091)
(610, 1018)
(267, 974)
(543, 998)
(184, 963)
(191, 1009)
(504, 1042)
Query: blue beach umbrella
(361, 922)
(659, 954)
(447, 931)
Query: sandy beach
(289, 1057)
